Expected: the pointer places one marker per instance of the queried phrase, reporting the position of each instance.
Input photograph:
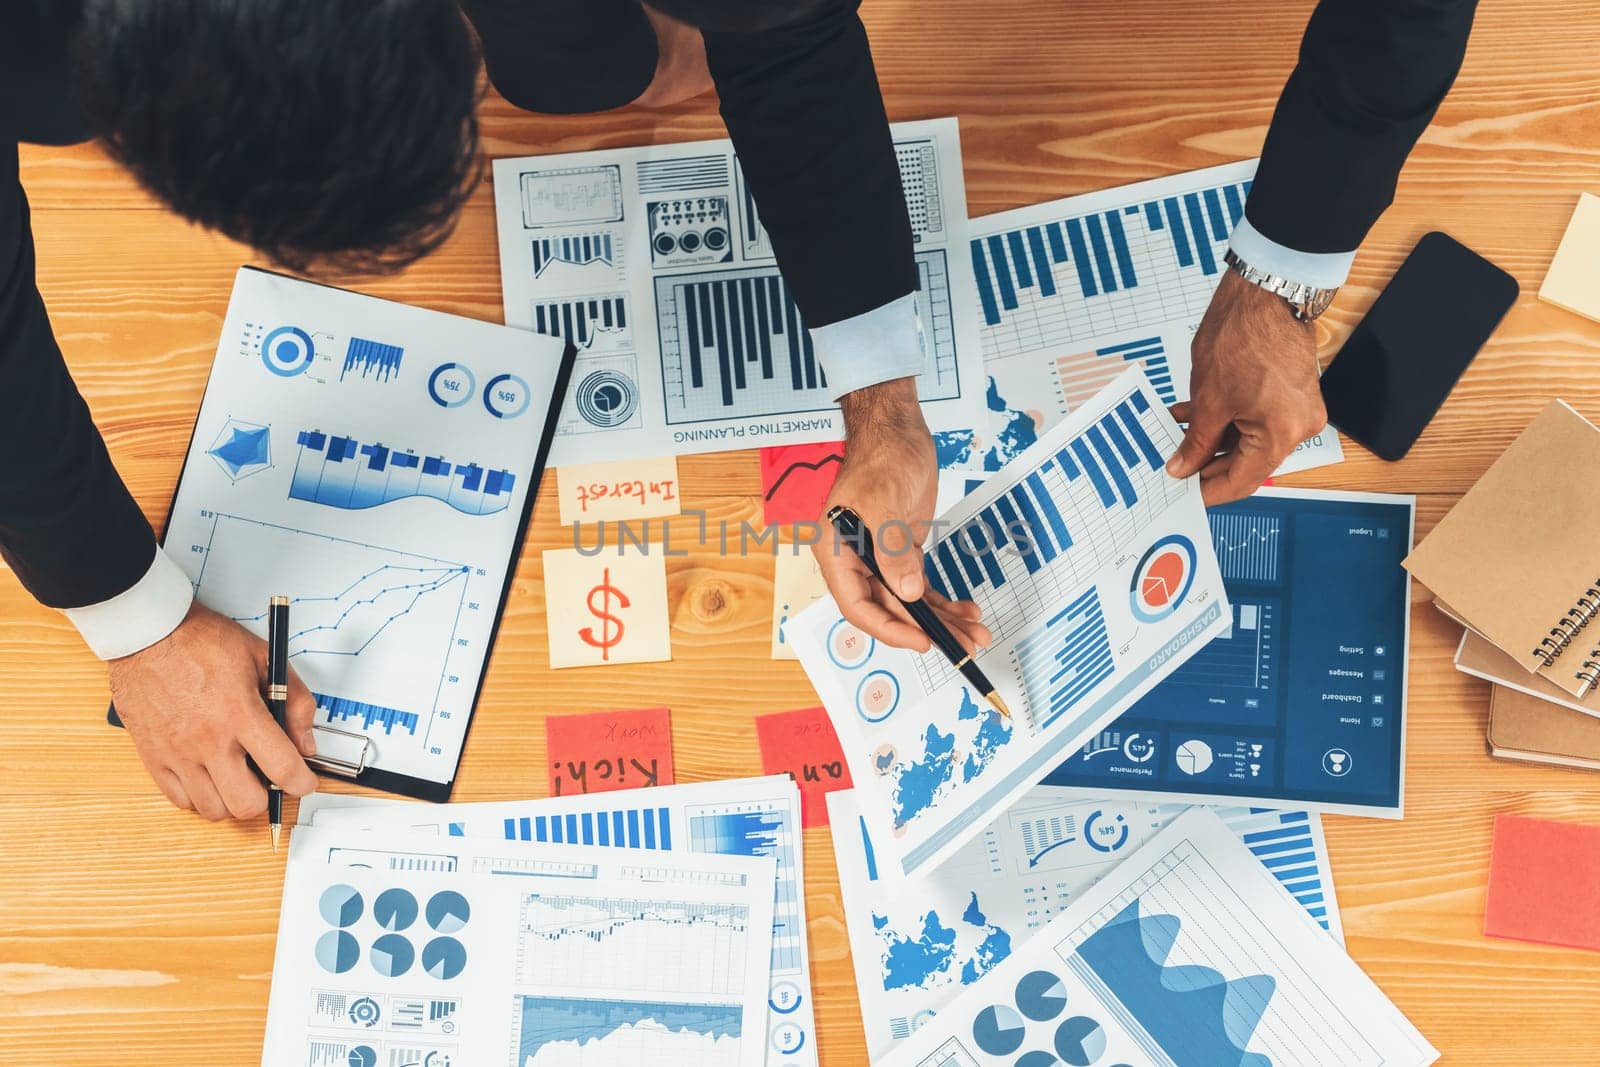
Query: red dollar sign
(606, 639)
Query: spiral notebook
(1518, 558)
(1523, 727)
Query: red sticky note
(607, 750)
(1544, 882)
(796, 480)
(802, 744)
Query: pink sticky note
(802, 744)
(608, 750)
(1544, 882)
(796, 480)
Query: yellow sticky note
(606, 608)
(1574, 279)
(621, 490)
(796, 584)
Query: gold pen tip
(999, 705)
(276, 830)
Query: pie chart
(1080, 1041)
(337, 951)
(395, 909)
(363, 1056)
(1041, 996)
(444, 958)
(1036, 1058)
(340, 905)
(392, 955)
(448, 911)
(1194, 757)
(1162, 578)
(999, 1030)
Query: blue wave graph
(372, 359)
(368, 605)
(1197, 1016)
(742, 833)
(546, 1021)
(341, 472)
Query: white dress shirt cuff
(875, 346)
(1325, 270)
(134, 620)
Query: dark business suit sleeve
(802, 105)
(1370, 76)
(68, 526)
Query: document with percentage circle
(1095, 572)
(396, 950)
(376, 463)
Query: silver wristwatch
(1306, 301)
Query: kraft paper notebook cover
(1477, 657)
(1523, 727)
(1518, 558)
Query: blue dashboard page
(1301, 702)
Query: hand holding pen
(853, 532)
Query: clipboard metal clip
(340, 752)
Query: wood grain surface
(134, 934)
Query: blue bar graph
(648, 828)
(1107, 252)
(739, 833)
(341, 472)
(1028, 516)
(372, 359)
(1063, 662)
(338, 709)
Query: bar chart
(341, 472)
(372, 359)
(733, 344)
(578, 250)
(597, 322)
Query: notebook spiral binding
(1567, 629)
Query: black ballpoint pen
(277, 696)
(854, 532)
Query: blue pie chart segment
(392, 955)
(337, 951)
(363, 1056)
(1037, 1058)
(340, 905)
(999, 1030)
(1080, 1041)
(395, 909)
(448, 911)
(444, 958)
(1041, 996)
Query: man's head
(334, 133)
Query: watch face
(1318, 303)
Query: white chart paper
(737, 817)
(653, 261)
(1096, 574)
(397, 950)
(916, 952)
(1074, 290)
(373, 462)
(1188, 952)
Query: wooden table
(134, 934)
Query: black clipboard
(390, 781)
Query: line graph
(832, 458)
(575, 1032)
(600, 943)
(1248, 545)
(373, 629)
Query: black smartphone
(1401, 362)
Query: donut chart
(1163, 578)
(287, 351)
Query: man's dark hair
(325, 133)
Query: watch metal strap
(1307, 301)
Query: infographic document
(1074, 290)
(1188, 952)
(374, 463)
(916, 952)
(395, 950)
(1096, 575)
(737, 817)
(653, 261)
